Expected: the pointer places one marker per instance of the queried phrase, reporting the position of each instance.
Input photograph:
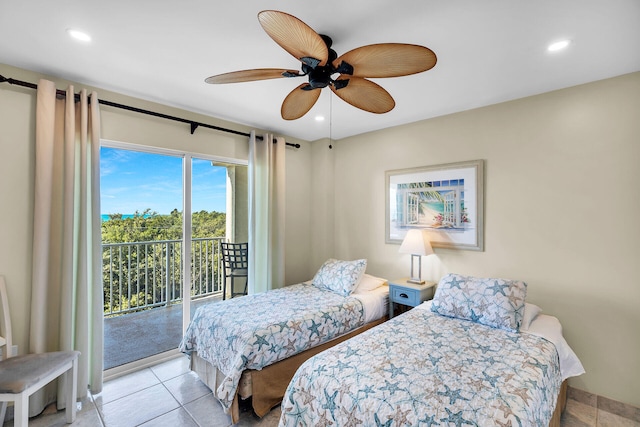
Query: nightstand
(408, 294)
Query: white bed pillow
(549, 328)
(531, 311)
(339, 276)
(368, 283)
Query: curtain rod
(194, 124)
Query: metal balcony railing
(142, 275)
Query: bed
(477, 354)
(252, 345)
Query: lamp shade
(416, 242)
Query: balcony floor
(134, 336)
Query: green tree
(136, 275)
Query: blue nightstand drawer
(405, 296)
(408, 294)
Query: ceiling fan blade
(387, 60)
(295, 37)
(299, 102)
(363, 94)
(251, 75)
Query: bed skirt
(266, 386)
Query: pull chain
(330, 120)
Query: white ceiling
(488, 51)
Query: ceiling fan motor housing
(320, 76)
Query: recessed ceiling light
(559, 45)
(319, 118)
(79, 35)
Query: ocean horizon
(105, 217)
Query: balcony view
(143, 245)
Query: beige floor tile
(207, 412)
(578, 414)
(137, 408)
(123, 386)
(607, 419)
(622, 409)
(187, 388)
(177, 417)
(172, 368)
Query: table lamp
(416, 243)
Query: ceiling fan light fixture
(319, 118)
(559, 45)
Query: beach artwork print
(445, 200)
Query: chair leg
(224, 288)
(21, 411)
(71, 392)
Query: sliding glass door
(157, 206)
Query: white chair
(21, 376)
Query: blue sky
(132, 181)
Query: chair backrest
(5, 322)
(235, 255)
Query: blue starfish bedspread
(423, 369)
(255, 331)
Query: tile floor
(169, 395)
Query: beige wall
(17, 108)
(562, 203)
(17, 165)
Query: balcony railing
(142, 275)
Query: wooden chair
(21, 376)
(236, 264)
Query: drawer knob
(403, 295)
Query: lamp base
(416, 279)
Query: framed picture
(446, 200)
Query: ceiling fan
(320, 63)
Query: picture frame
(446, 200)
